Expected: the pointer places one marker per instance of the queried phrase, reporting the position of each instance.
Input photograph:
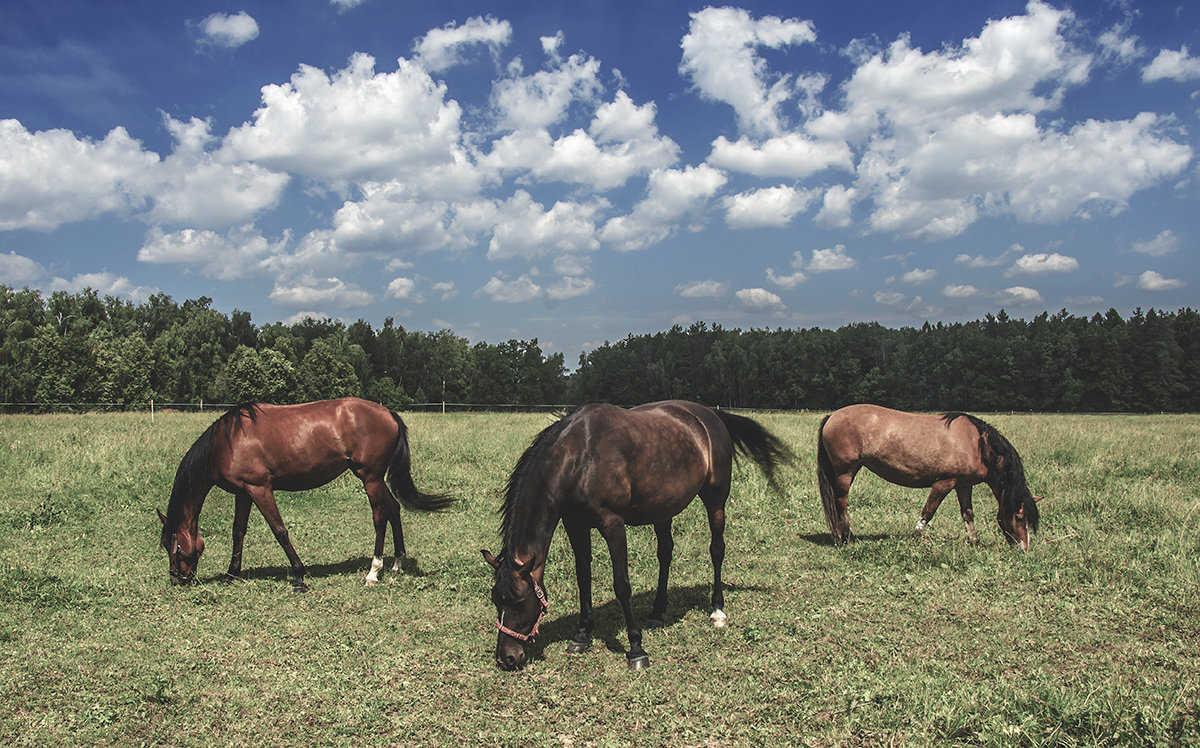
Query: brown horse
(939, 452)
(607, 467)
(255, 449)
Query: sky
(577, 172)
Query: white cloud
(980, 261)
(511, 292)
(1021, 295)
(702, 289)
(569, 288)
(1171, 65)
(1153, 281)
(524, 228)
(52, 177)
(537, 101)
(771, 206)
(17, 270)
(789, 155)
(447, 290)
(310, 291)
(672, 196)
(354, 125)
(831, 259)
(345, 5)
(105, 284)
(1163, 244)
(229, 30)
(1043, 262)
(919, 276)
(719, 55)
(227, 256)
(759, 300)
(836, 206)
(402, 289)
(786, 282)
(1118, 44)
(960, 292)
(443, 47)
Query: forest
(81, 348)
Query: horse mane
(196, 465)
(1002, 460)
(515, 508)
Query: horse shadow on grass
(609, 629)
(409, 566)
(825, 539)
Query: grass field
(1091, 638)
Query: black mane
(197, 462)
(1002, 461)
(515, 505)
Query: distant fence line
(205, 407)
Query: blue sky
(577, 172)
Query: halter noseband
(541, 596)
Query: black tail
(754, 441)
(400, 477)
(825, 478)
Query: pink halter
(541, 596)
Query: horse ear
(1038, 498)
(161, 517)
(492, 560)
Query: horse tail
(400, 480)
(750, 438)
(825, 478)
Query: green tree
(324, 374)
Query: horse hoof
(719, 619)
(369, 582)
(574, 647)
(654, 623)
(639, 663)
(299, 587)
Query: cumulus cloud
(224, 256)
(444, 47)
(1021, 295)
(228, 30)
(834, 258)
(672, 196)
(919, 276)
(720, 57)
(345, 5)
(786, 282)
(569, 288)
(1172, 65)
(702, 289)
(525, 228)
(759, 300)
(960, 291)
(402, 289)
(1153, 281)
(1163, 244)
(17, 270)
(532, 102)
(1043, 262)
(310, 291)
(788, 155)
(510, 292)
(105, 284)
(770, 206)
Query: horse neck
(529, 527)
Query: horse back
(909, 449)
(298, 447)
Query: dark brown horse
(939, 452)
(607, 467)
(255, 449)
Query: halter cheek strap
(545, 604)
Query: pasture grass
(1091, 638)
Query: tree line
(81, 348)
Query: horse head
(183, 551)
(1017, 524)
(521, 604)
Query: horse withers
(255, 449)
(606, 467)
(953, 451)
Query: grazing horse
(607, 467)
(939, 452)
(255, 449)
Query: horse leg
(936, 493)
(382, 509)
(264, 499)
(613, 530)
(241, 518)
(968, 512)
(716, 549)
(841, 505)
(580, 535)
(666, 549)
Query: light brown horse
(607, 467)
(953, 451)
(255, 449)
